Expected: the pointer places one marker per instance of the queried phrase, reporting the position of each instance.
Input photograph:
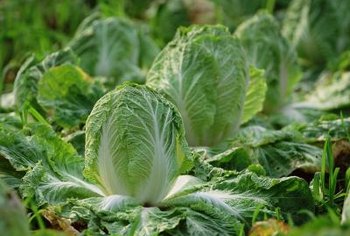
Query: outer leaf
(49, 187)
(204, 73)
(67, 94)
(255, 94)
(9, 174)
(26, 84)
(331, 92)
(152, 220)
(279, 152)
(216, 208)
(54, 170)
(22, 152)
(290, 194)
(337, 129)
(135, 144)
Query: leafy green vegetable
(267, 49)
(26, 83)
(204, 72)
(135, 144)
(187, 153)
(48, 161)
(68, 94)
(114, 48)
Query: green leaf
(170, 15)
(67, 94)
(56, 188)
(331, 92)
(290, 194)
(255, 96)
(8, 174)
(317, 131)
(22, 152)
(54, 169)
(26, 83)
(279, 152)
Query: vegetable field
(174, 117)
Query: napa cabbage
(205, 73)
(267, 49)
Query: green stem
(39, 219)
(37, 116)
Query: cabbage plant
(135, 128)
(134, 178)
(205, 73)
(267, 49)
(319, 29)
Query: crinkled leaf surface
(54, 169)
(331, 92)
(219, 207)
(319, 130)
(26, 83)
(279, 152)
